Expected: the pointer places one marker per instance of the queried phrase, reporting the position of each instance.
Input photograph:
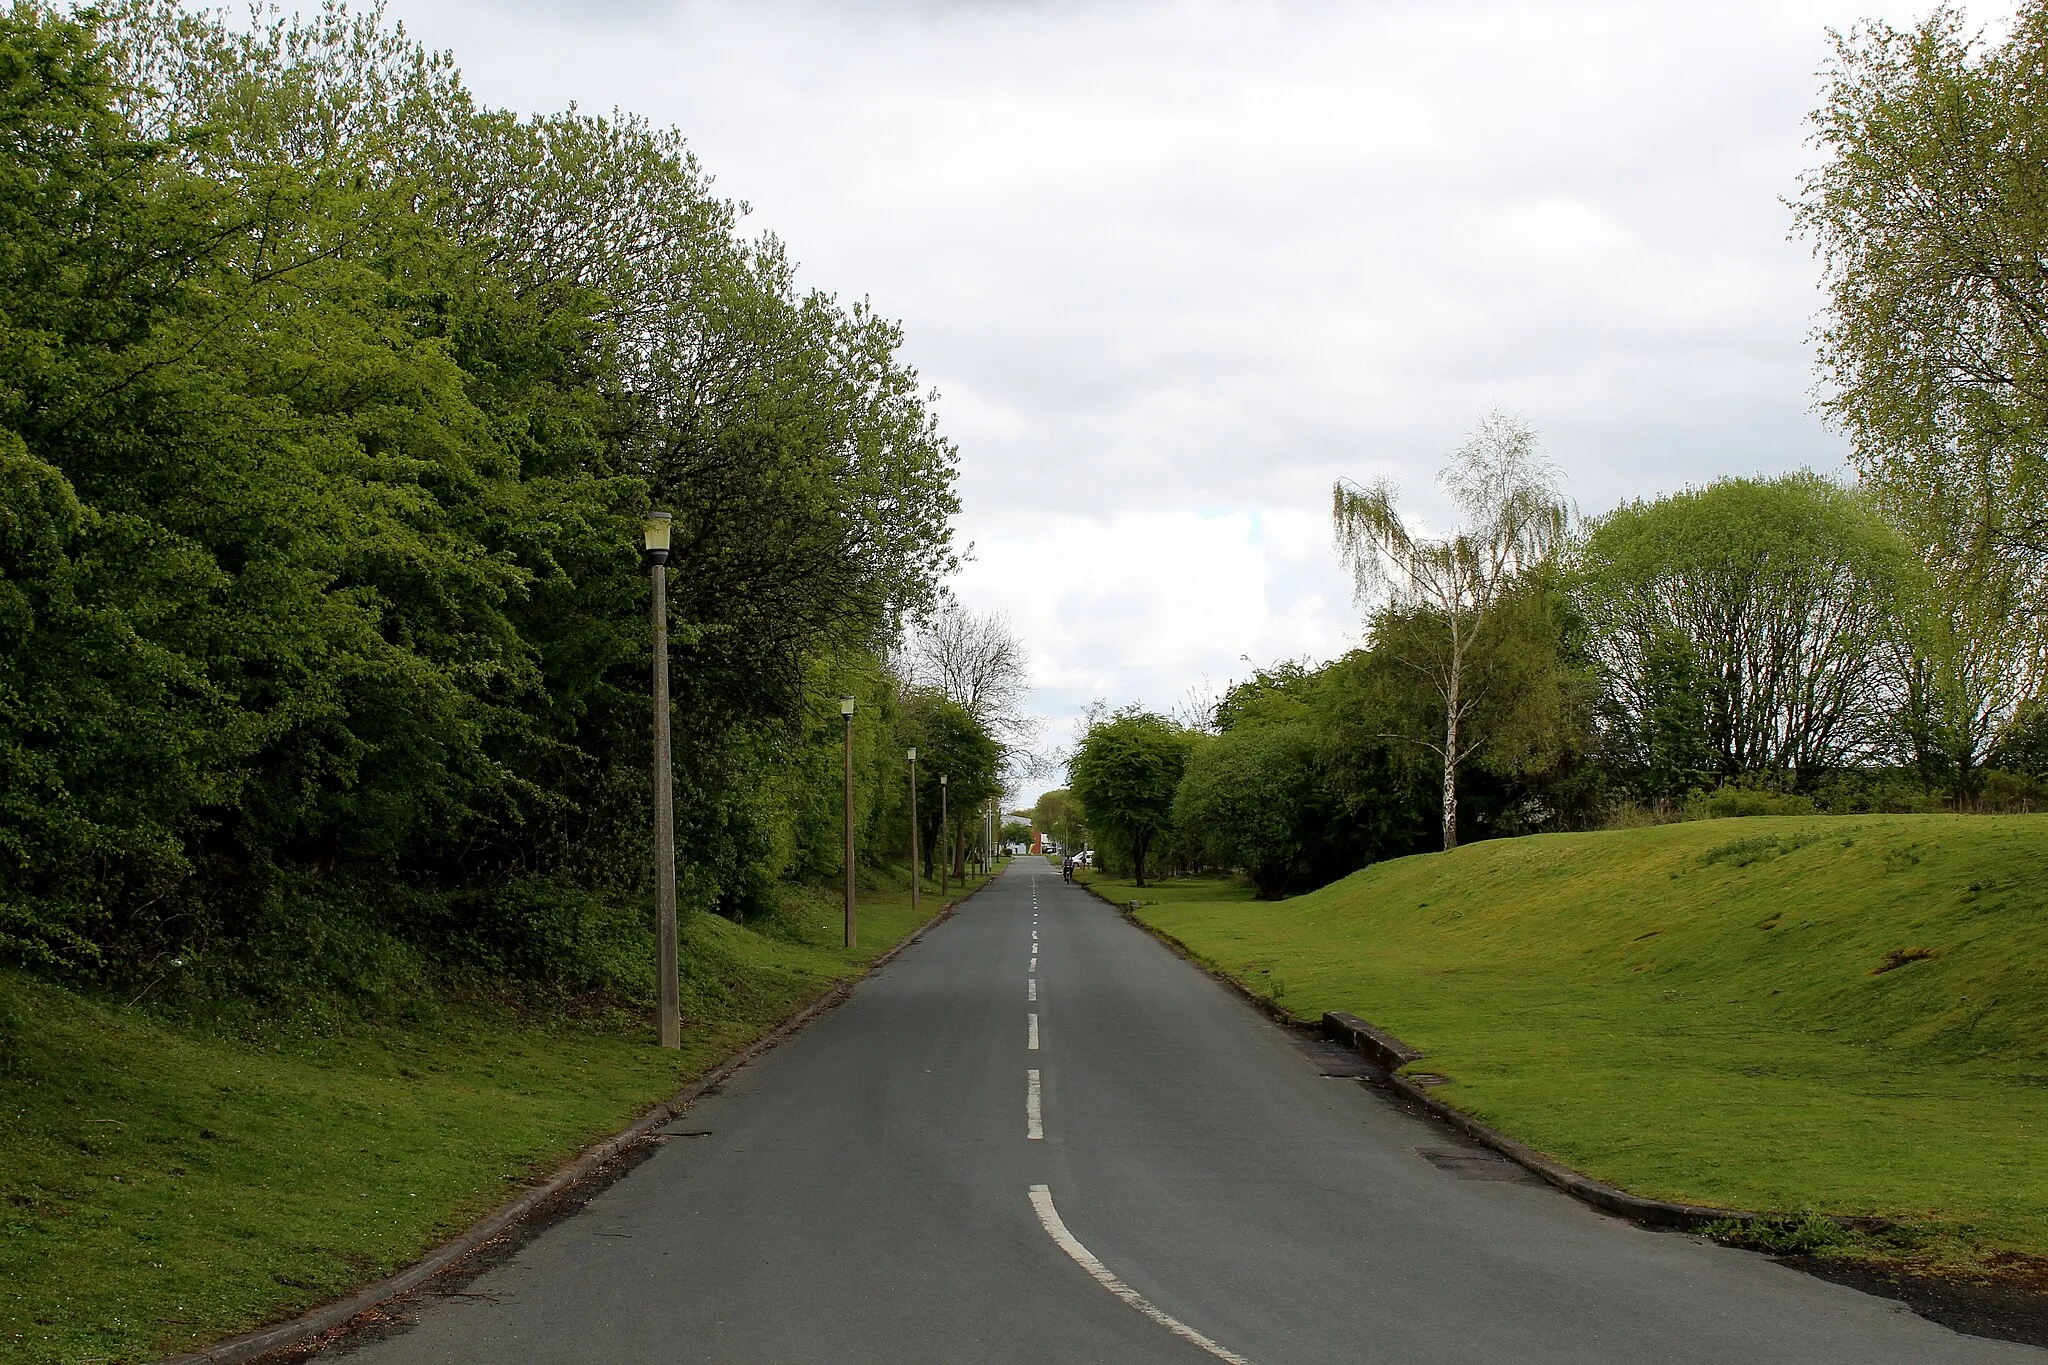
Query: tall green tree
(1743, 624)
(1125, 773)
(1929, 215)
(1250, 798)
(1058, 813)
(1968, 650)
(951, 743)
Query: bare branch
(977, 660)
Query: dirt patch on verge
(2009, 1306)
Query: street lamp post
(945, 840)
(916, 869)
(846, 713)
(668, 1018)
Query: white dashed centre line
(1034, 1119)
(1031, 1036)
(1041, 1199)
(1033, 993)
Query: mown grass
(1841, 1014)
(164, 1184)
(1165, 890)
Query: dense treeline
(1748, 647)
(329, 405)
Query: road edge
(1388, 1053)
(1990, 1311)
(302, 1330)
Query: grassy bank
(166, 1184)
(1847, 1015)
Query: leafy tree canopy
(329, 401)
(1125, 773)
(1929, 216)
(1249, 799)
(1737, 628)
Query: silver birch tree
(1512, 518)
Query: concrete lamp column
(846, 714)
(668, 1022)
(916, 868)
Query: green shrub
(1735, 801)
(1884, 791)
(2014, 793)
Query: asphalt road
(1189, 1186)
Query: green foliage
(1787, 1234)
(1527, 697)
(1739, 631)
(1734, 800)
(1059, 814)
(1669, 737)
(952, 744)
(328, 404)
(1877, 791)
(1928, 215)
(1318, 771)
(1125, 773)
(2023, 748)
(1444, 598)
(1266, 688)
(1250, 799)
(1380, 791)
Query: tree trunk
(1451, 761)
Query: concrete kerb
(304, 1330)
(1390, 1054)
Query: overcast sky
(1175, 267)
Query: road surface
(1039, 1136)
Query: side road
(1040, 1135)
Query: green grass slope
(163, 1185)
(1848, 1015)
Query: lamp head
(654, 533)
(942, 779)
(913, 755)
(846, 706)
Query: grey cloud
(1203, 254)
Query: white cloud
(1177, 264)
(1140, 605)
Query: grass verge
(1842, 1015)
(164, 1184)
